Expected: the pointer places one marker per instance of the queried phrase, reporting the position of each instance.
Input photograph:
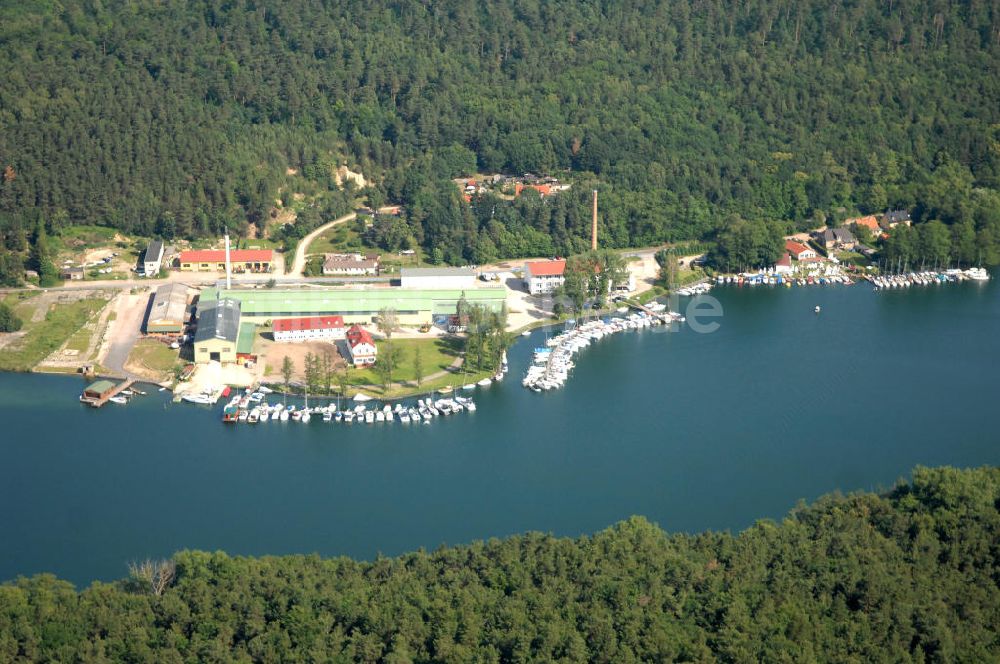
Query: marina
(553, 362)
(252, 408)
(692, 431)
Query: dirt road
(301, 251)
(124, 330)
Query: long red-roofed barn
(309, 328)
(214, 260)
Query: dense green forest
(909, 576)
(184, 118)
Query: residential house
(893, 218)
(869, 222)
(152, 259)
(543, 277)
(784, 265)
(361, 346)
(309, 328)
(833, 239)
(542, 189)
(350, 265)
(799, 251)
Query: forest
(906, 576)
(690, 117)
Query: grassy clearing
(154, 356)
(80, 340)
(12, 300)
(40, 339)
(345, 239)
(436, 355)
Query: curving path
(299, 263)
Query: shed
(98, 389)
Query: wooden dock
(97, 402)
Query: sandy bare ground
(214, 375)
(272, 354)
(124, 330)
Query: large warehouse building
(169, 312)
(218, 330)
(414, 306)
(242, 260)
(437, 277)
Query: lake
(693, 431)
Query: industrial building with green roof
(414, 306)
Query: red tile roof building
(542, 277)
(308, 328)
(361, 346)
(242, 260)
(542, 189)
(799, 251)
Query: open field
(50, 319)
(436, 355)
(152, 359)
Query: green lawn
(61, 322)
(154, 355)
(437, 354)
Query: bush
(9, 322)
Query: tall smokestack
(593, 229)
(229, 270)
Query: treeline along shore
(908, 575)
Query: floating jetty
(99, 393)
(553, 362)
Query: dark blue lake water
(693, 431)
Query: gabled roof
(218, 320)
(154, 251)
(896, 216)
(843, 235)
(169, 303)
(308, 323)
(554, 268)
(235, 255)
(795, 248)
(785, 261)
(359, 335)
(868, 222)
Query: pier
(96, 397)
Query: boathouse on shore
(218, 331)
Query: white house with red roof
(543, 277)
(309, 328)
(799, 251)
(784, 265)
(361, 346)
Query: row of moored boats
(926, 278)
(784, 280)
(243, 408)
(553, 362)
